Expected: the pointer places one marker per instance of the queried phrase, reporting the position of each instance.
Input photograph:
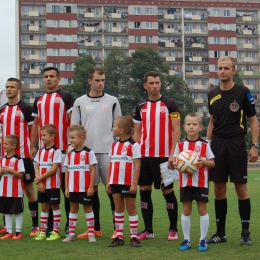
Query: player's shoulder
(86, 149)
(39, 96)
(55, 148)
(3, 106)
(182, 141)
(202, 140)
(64, 93)
(17, 157)
(107, 96)
(142, 102)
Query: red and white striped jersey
(10, 185)
(16, 119)
(46, 157)
(156, 129)
(53, 108)
(122, 155)
(78, 173)
(200, 178)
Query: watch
(255, 145)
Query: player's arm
(137, 167)
(210, 128)
(137, 133)
(37, 172)
(92, 179)
(49, 173)
(67, 194)
(208, 163)
(253, 153)
(75, 114)
(69, 115)
(17, 174)
(108, 187)
(34, 137)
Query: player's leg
(31, 195)
(3, 228)
(4, 207)
(16, 208)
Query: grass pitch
(158, 248)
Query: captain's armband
(175, 115)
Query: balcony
(34, 71)
(169, 44)
(175, 16)
(123, 15)
(196, 45)
(89, 15)
(164, 44)
(34, 57)
(196, 87)
(169, 58)
(249, 73)
(197, 73)
(89, 29)
(116, 29)
(169, 17)
(34, 14)
(250, 86)
(200, 101)
(32, 86)
(35, 43)
(116, 44)
(168, 31)
(86, 43)
(175, 73)
(34, 28)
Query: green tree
(80, 81)
(238, 80)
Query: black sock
(221, 213)
(112, 207)
(33, 206)
(4, 218)
(96, 208)
(147, 209)
(244, 208)
(172, 209)
(50, 220)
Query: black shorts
(10, 205)
(29, 174)
(230, 160)
(194, 193)
(123, 190)
(150, 172)
(80, 197)
(51, 196)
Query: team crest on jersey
(82, 157)
(162, 109)
(57, 100)
(197, 149)
(234, 106)
(11, 164)
(18, 113)
(50, 154)
(105, 107)
(124, 149)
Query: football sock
(133, 223)
(172, 209)
(244, 208)
(73, 217)
(44, 219)
(4, 218)
(221, 213)
(18, 222)
(120, 220)
(33, 206)
(90, 222)
(112, 204)
(147, 209)
(185, 224)
(204, 226)
(96, 209)
(9, 223)
(56, 220)
(50, 220)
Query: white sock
(185, 223)
(204, 226)
(18, 222)
(9, 223)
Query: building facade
(190, 36)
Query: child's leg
(185, 218)
(89, 218)
(73, 217)
(9, 223)
(44, 216)
(56, 217)
(119, 214)
(18, 223)
(204, 219)
(133, 217)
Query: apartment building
(189, 35)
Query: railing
(34, 42)
(196, 59)
(90, 43)
(27, 14)
(39, 29)
(196, 45)
(101, 30)
(249, 73)
(248, 46)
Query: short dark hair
(154, 74)
(81, 131)
(52, 68)
(18, 83)
(127, 123)
(50, 129)
(14, 139)
(95, 70)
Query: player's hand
(200, 162)
(37, 179)
(6, 169)
(108, 188)
(41, 187)
(171, 163)
(32, 153)
(90, 191)
(253, 155)
(66, 193)
(175, 162)
(133, 189)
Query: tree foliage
(80, 81)
(238, 80)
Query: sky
(7, 41)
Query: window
(55, 23)
(68, 80)
(149, 26)
(56, 65)
(67, 52)
(56, 52)
(41, 10)
(31, 37)
(226, 12)
(226, 27)
(68, 66)
(55, 9)
(68, 38)
(137, 38)
(149, 39)
(67, 23)
(41, 38)
(67, 9)
(203, 82)
(137, 25)
(216, 40)
(215, 12)
(55, 38)
(202, 27)
(137, 10)
(216, 26)
(148, 11)
(41, 24)
(216, 82)
(41, 52)
(227, 40)
(216, 54)
(108, 25)
(190, 26)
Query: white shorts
(102, 167)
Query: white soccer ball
(187, 162)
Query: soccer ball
(186, 162)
